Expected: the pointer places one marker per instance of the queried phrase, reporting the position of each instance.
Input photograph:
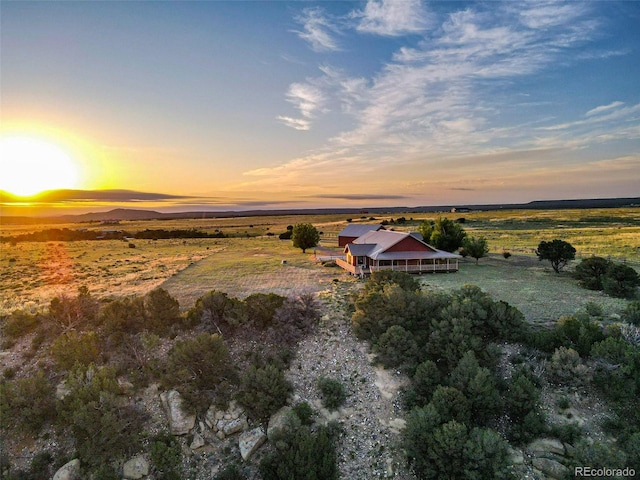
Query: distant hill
(137, 214)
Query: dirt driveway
(284, 279)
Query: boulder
(542, 446)
(69, 471)
(516, 457)
(234, 426)
(135, 468)
(62, 390)
(197, 442)
(278, 421)
(250, 442)
(180, 423)
(551, 468)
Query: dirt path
(370, 417)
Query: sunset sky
(242, 105)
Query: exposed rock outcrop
(135, 468)
(69, 471)
(278, 421)
(250, 441)
(180, 422)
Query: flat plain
(253, 259)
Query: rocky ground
(371, 416)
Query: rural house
(401, 251)
(353, 231)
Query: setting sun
(29, 166)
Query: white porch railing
(452, 267)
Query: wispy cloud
(392, 17)
(317, 30)
(308, 99)
(599, 115)
(295, 123)
(603, 108)
(361, 196)
(434, 99)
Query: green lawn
(524, 282)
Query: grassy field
(242, 266)
(522, 281)
(33, 273)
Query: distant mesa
(123, 214)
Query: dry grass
(241, 267)
(32, 273)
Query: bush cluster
(446, 343)
(302, 452)
(201, 370)
(396, 318)
(333, 392)
(616, 279)
(285, 320)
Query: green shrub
(123, 315)
(590, 272)
(162, 311)
(568, 433)
(479, 387)
(566, 368)
(558, 252)
(304, 412)
(305, 455)
(426, 379)
(579, 332)
(230, 472)
(380, 278)
(451, 404)
(449, 450)
(201, 369)
(600, 453)
(27, 403)
(218, 311)
(262, 307)
(594, 309)
(20, 323)
(166, 457)
(102, 427)
(72, 347)
(263, 391)
(397, 348)
(522, 396)
(333, 392)
(621, 281)
(631, 313)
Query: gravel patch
(371, 416)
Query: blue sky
(245, 104)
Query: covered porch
(416, 266)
